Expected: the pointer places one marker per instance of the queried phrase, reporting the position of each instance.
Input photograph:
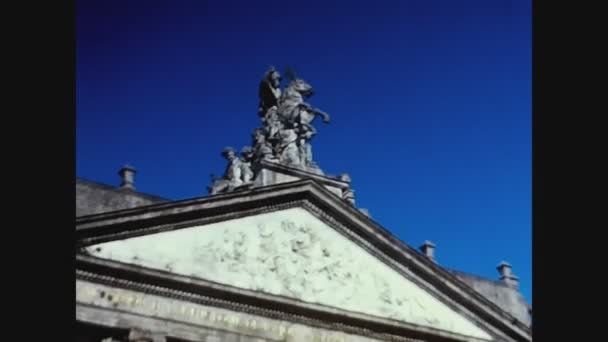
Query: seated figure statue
(232, 176)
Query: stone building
(278, 251)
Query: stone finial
(506, 274)
(428, 249)
(127, 174)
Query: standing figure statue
(232, 176)
(287, 149)
(305, 134)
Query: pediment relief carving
(293, 254)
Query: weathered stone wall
(507, 298)
(94, 198)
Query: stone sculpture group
(285, 136)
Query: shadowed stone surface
(95, 198)
(507, 298)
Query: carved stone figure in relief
(289, 227)
(207, 254)
(384, 290)
(284, 272)
(239, 247)
(301, 242)
(232, 176)
(267, 242)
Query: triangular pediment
(290, 253)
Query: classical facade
(277, 251)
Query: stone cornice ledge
(302, 174)
(248, 198)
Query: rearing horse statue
(292, 106)
(297, 115)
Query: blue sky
(430, 103)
